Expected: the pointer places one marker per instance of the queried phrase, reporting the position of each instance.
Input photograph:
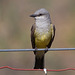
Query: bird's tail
(39, 62)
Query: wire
(50, 49)
(20, 69)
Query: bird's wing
(32, 36)
(52, 36)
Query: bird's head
(41, 14)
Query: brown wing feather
(32, 36)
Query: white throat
(42, 22)
(42, 25)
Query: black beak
(33, 15)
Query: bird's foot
(46, 49)
(36, 49)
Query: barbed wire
(49, 49)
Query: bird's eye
(40, 14)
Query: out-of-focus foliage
(15, 29)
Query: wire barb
(45, 70)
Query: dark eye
(40, 14)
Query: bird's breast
(42, 38)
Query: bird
(42, 35)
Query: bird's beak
(33, 15)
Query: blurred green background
(15, 26)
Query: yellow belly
(42, 41)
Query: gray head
(41, 14)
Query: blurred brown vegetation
(15, 25)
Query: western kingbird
(42, 35)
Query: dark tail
(39, 62)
